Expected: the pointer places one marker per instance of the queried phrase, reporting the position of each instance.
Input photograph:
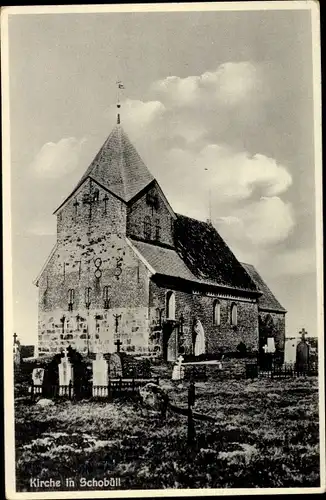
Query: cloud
(230, 84)
(267, 221)
(55, 160)
(141, 114)
(229, 175)
(137, 117)
(238, 174)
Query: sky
(218, 104)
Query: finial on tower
(120, 87)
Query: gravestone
(154, 399)
(178, 372)
(270, 345)
(66, 373)
(290, 350)
(115, 366)
(38, 376)
(100, 376)
(302, 358)
(17, 355)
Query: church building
(127, 273)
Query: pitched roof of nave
(200, 255)
(207, 255)
(266, 301)
(118, 166)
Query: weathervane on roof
(120, 87)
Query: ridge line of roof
(122, 159)
(278, 306)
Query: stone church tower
(129, 273)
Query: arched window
(170, 305)
(147, 228)
(157, 229)
(216, 313)
(234, 314)
(96, 194)
(71, 299)
(106, 298)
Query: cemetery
(73, 375)
(261, 433)
(193, 423)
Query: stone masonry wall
(223, 337)
(92, 252)
(159, 216)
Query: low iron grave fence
(116, 387)
(286, 370)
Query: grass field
(266, 435)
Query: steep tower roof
(118, 167)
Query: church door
(199, 337)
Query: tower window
(96, 195)
(106, 298)
(157, 230)
(71, 299)
(170, 305)
(234, 314)
(147, 228)
(216, 313)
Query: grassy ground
(266, 435)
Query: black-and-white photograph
(163, 249)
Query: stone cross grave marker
(302, 357)
(178, 370)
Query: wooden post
(70, 389)
(191, 425)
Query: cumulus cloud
(228, 174)
(238, 174)
(229, 84)
(55, 160)
(141, 114)
(137, 117)
(267, 221)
